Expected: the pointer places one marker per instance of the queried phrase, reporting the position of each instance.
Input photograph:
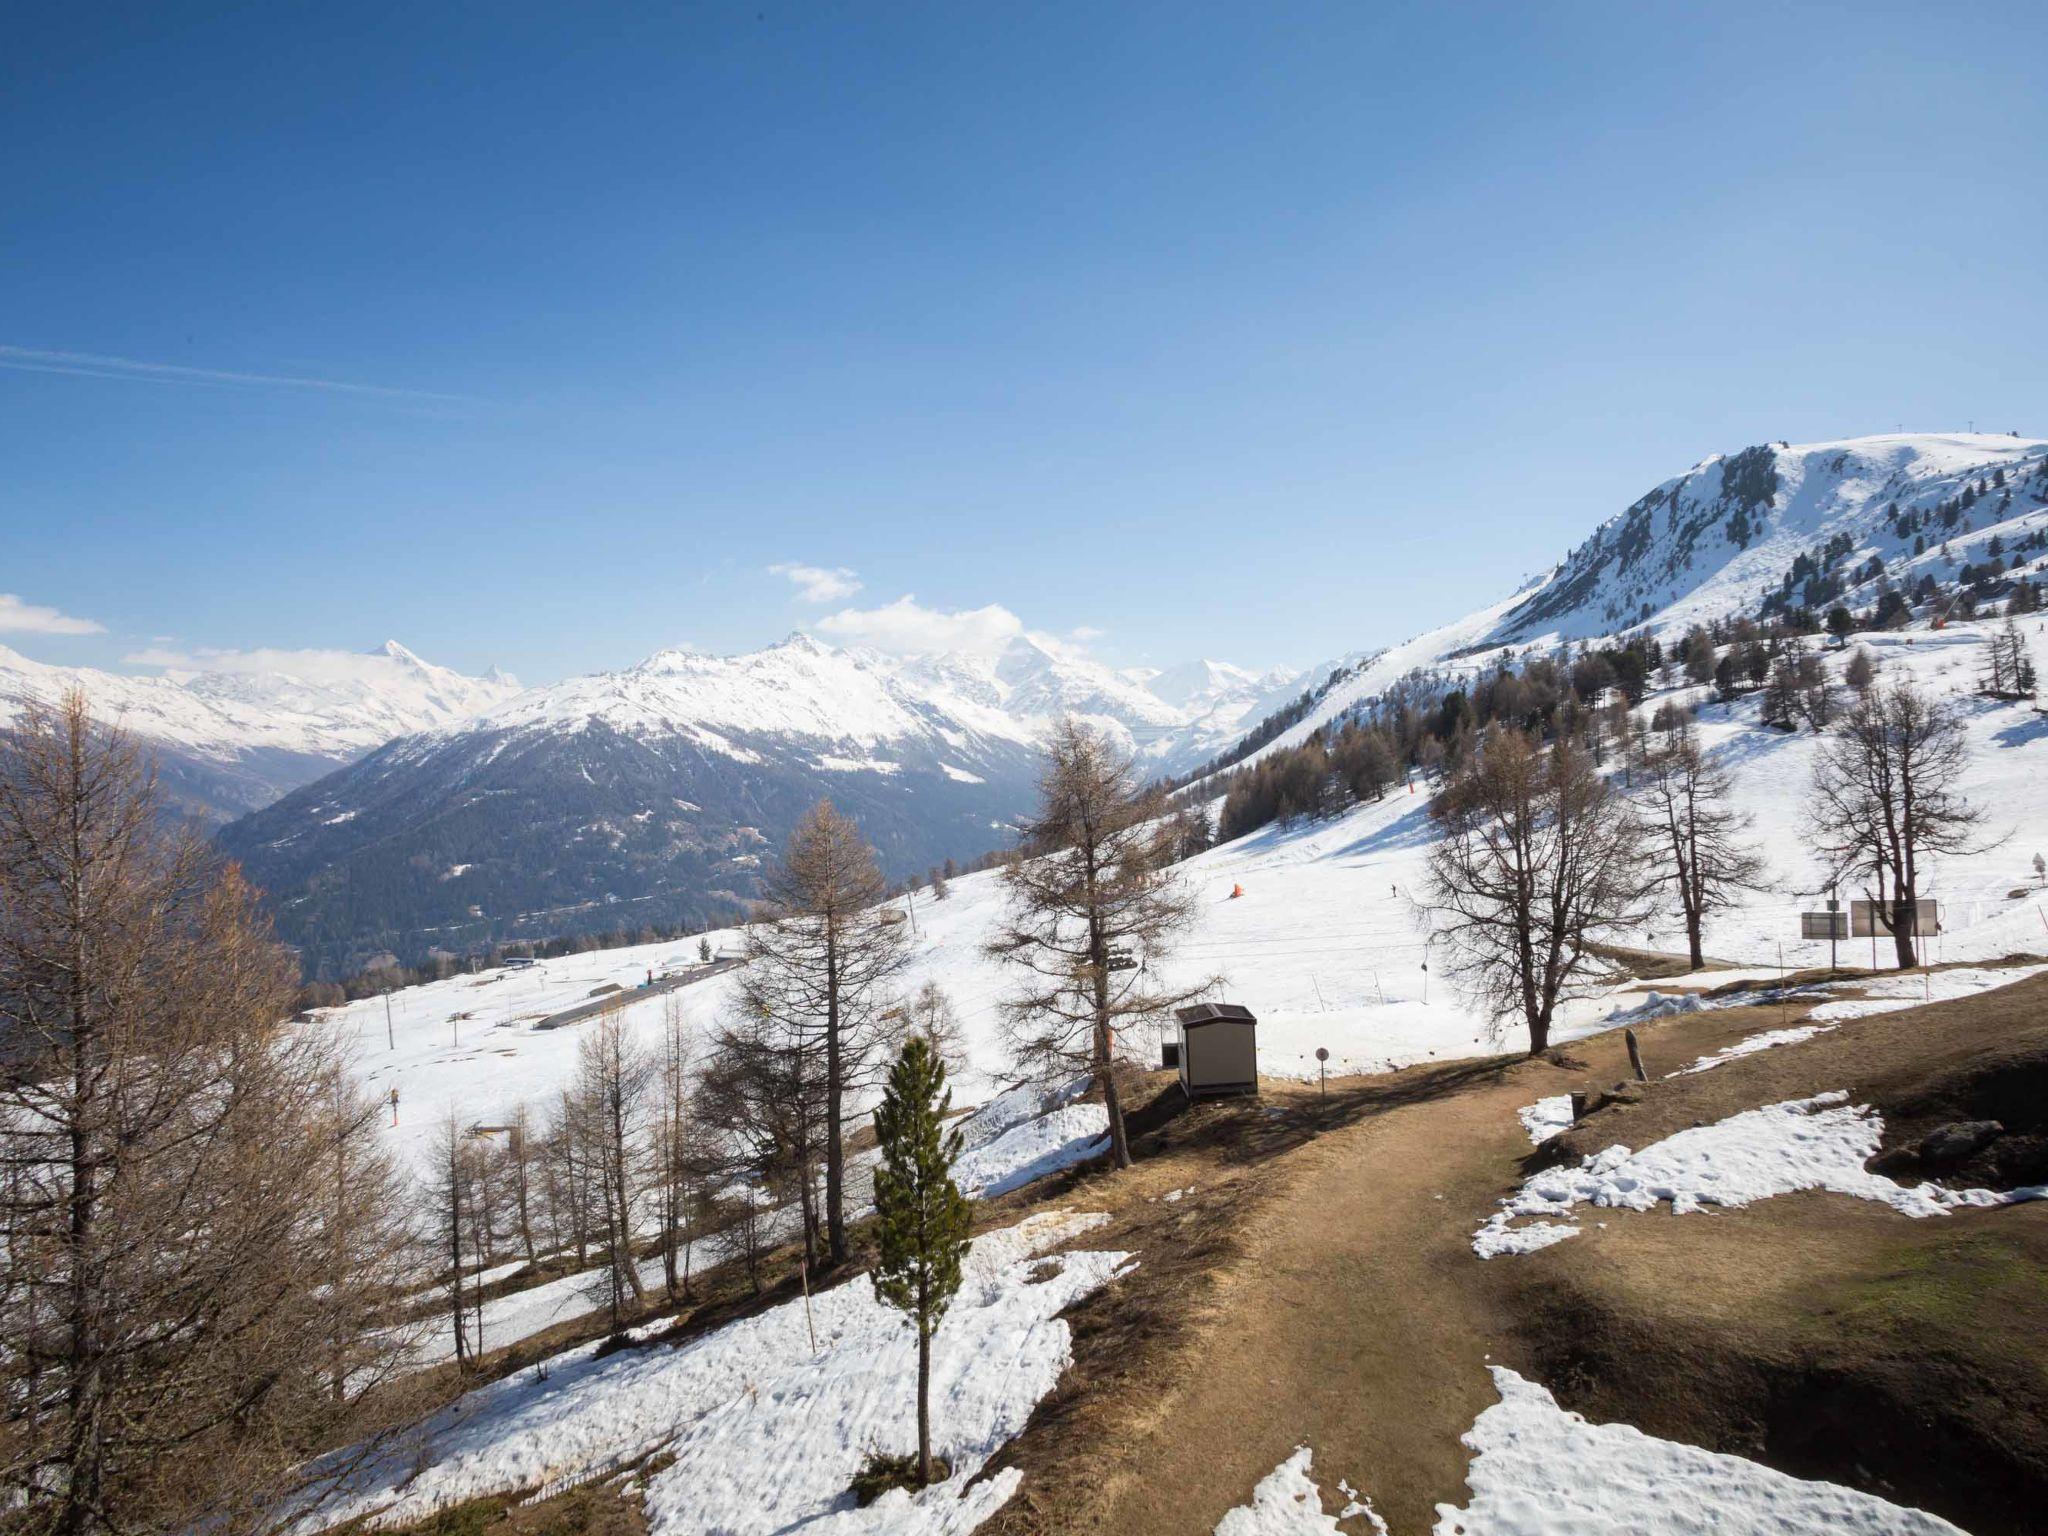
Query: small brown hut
(1219, 1049)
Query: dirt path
(1355, 1319)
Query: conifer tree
(921, 1217)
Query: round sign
(1322, 1053)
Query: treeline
(1427, 724)
(201, 1237)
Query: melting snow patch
(1026, 1132)
(1070, 1134)
(1546, 1118)
(1889, 994)
(1288, 1503)
(1817, 1143)
(1749, 1047)
(766, 1433)
(1861, 1008)
(1538, 1469)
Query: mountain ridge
(229, 741)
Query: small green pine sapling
(921, 1217)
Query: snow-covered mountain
(228, 742)
(650, 796)
(1771, 528)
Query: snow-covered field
(766, 1429)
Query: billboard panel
(1870, 918)
(1824, 925)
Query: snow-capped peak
(1804, 525)
(300, 713)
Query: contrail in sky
(92, 365)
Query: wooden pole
(1635, 1055)
(803, 1269)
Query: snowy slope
(1716, 541)
(232, 741)
(762, 1428)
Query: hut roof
(1214, 1013)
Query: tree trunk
(1105, 1049)
(1905, 915)
(835, 1086)
(924, 1402)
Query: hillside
(649, 796)
(1767, 530)
(229, 742)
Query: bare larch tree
(183, 1191)
(1885, 800)
(1537, 854)
(819, 955)
(1699, 851)
(678, 1157)
(1091, 887)
(613, 1081)
(761, 1107)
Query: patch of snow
(1892, 994)
(1546, 1117)
(1538, 1470)
(1817, 1143)
(1287, 1502)
(1768, 1040)
(961, 775)
(1070, 1134)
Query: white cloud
(907, 628)
(817, 583)
(23, 618)
(312, 666)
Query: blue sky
(1258, 331)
